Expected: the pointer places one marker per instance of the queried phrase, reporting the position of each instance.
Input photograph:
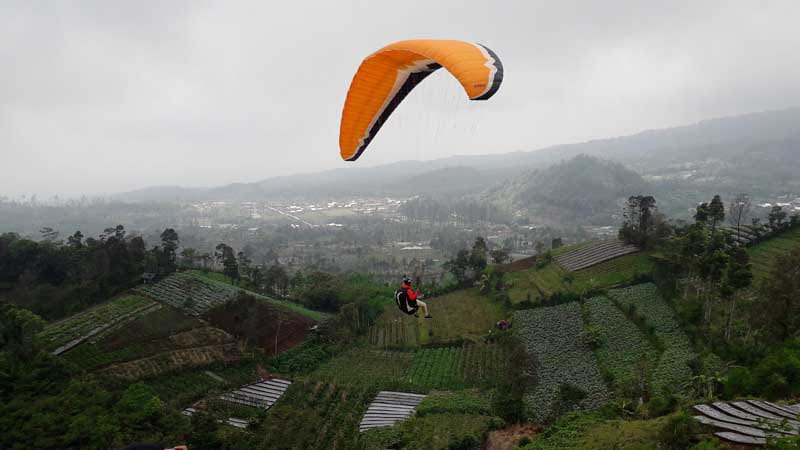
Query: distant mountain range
(756, 153)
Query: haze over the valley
(99, 98)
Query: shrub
(679, 430)
(663, 403)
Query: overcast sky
(108, 96)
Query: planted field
(160, 330)
(763, 255)
(365, 367)
(555, 336)
(672, 368)
(443, 420)
(623, 346)
(394, 331)
(316, 415)
(596, 253)
(88, 323)
(219, 279)
(188, 292)
(457, 367)
(183, 387)
(167, 361)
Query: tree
(477, 258)
(539, 247)
(776, 217)
(18, 329)
(701, 213)
(169, 246)
(739, 213)
(779, 306)
(276, 280)
(499, 256)
(244, 263)
(638, 220)
(76, 240)
(738, 276)
(188, 257)
(48, 234)
(459, 265)
(230, 267)
(716, 212)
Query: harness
(404, 303)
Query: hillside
(763, 255)
(752, 152)
(584, 188)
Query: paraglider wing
(385, 78)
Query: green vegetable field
(672, 368)
(623, 346)
(562, 359)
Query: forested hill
(584, 187)
(732, 153)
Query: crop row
(622, 346)
(83, 323)
(457, 367)
(362, 366)
(673, 367)
(188, 292)
(564, 361)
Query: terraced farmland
(167, 361)
(188, 292)
(360, 367)
(672, 368)
(594, 254)
(63, 335)
(544, 282)
(216, 278)
(623, 347)
(457, 367)
(554, 335)
(763, 255)
(165, 329)
(316, 415)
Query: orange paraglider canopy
(385, 78)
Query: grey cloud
(100, 96)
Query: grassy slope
(550, 279)
(216, 277)
(463, 314)
(763, 255)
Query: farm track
(591, 255)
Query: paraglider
(386, 77)
(408, 300)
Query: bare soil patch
(262, 324)
(516, 266)
(508, 438)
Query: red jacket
(412, 296)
